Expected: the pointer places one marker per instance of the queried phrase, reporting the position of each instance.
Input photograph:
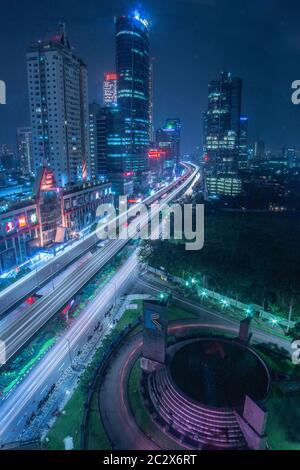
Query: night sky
(192, 41)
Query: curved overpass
(17, 332)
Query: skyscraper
(58, 100)
(133, 66)
(259, 149)
(221, 135)
(110, 89)
(24, 144)
(243, 144)
(168, 141)
(98, 140)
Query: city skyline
(266, 84)
(149, 227)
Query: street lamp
(249, 312)
(274, 322)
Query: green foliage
(252, 256)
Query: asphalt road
(23, 400)
(29, 283)
(149, 286)
(18, 332)
(116, 415)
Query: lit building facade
(259, 150)
(243, 145)
(223, 186)
(98, 143)
(49, 217)
(58, 100)
(168, 142)
(24, 144)
(221, 133)
(110, 89)
(133, 67)
(7, 157)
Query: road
(149, 286)
(29, 283)
(19, 405)
(18, 332)
(115, 412)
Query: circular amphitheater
(195, 397)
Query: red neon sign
(128, 173)
(110, 76)
(154, 153)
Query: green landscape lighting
(225, 303)
(203, 293)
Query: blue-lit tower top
(133, 67)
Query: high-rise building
(119, 170)
(221, 133)
(259, 149)
(58, 100)
(24, 144)
(151, 115)
(110, 89)
(98, 140)
(243, 144)
(168, 141)
(291, 155)
(133, 67)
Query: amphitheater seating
(193, 423)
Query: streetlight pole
(36, 273)
(69, 350)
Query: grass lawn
(68, 424)
(96, 438)
(283, 424)
(176, 313)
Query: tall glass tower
(133, 67)
(222, 125)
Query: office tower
(151, 116)
(7, 157)
(58, 99)
(291, 156)
(98, 144)
(24, 144)
(119, 170)
(221, 133)
(168, 141)
(110, 89)
(259, 149)
(243, 144)
(133, 91)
